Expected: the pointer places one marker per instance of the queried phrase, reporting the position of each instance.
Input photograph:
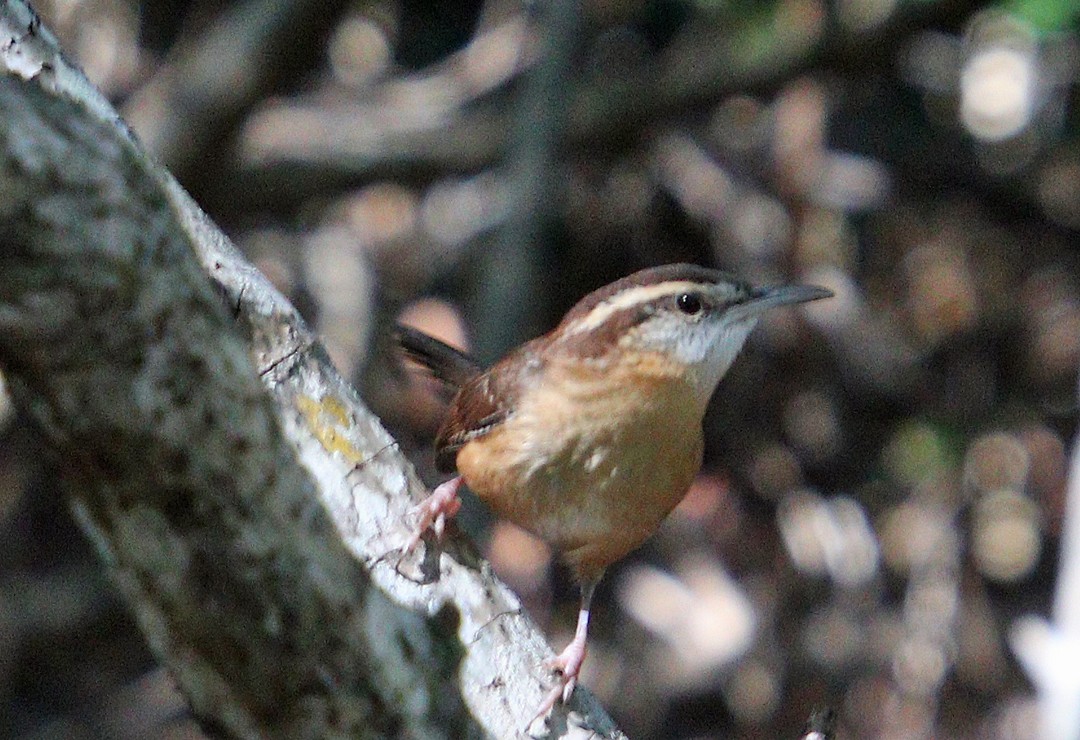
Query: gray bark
(244, 501)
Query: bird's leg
(568, 662)
(442, 504)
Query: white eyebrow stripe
(626, 299)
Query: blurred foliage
(1049, 16)
(883, 490)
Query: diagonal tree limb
(250, 525)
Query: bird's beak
(762, 299)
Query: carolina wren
(590, 435)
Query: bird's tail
(443, 361)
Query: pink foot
(568, 665)
(432, 512)
(568, 662)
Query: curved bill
(762, 299)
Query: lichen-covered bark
(117, 345)
(244, 501)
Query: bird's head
(691, 320)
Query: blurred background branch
(1049, 649)
(202, 90)
(513, 263)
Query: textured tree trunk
(244, 501)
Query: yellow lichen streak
(327, 418)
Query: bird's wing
(484, 403)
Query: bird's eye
(689, 303)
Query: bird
(588, 436)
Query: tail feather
(445, 363)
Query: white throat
(712, 354)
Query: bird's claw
(568, 689)
(432, 512)
(561, 692)
(567, 666)
(567, 670)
